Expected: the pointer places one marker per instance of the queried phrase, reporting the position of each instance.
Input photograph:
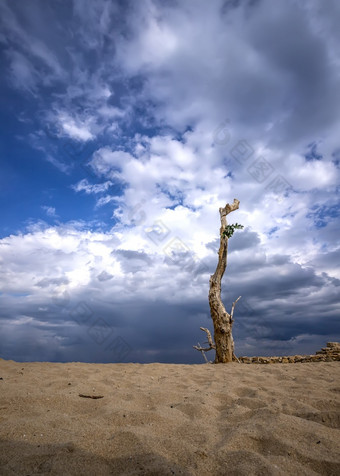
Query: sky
(125, 126)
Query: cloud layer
(171, 111)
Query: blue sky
(125, 126)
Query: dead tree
(222, 320)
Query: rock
(330, 353)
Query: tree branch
(231, 322)
(228, 209)
(231, 207)
(233, 307)
(203, 353)
(210, 342)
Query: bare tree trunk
(223, 321)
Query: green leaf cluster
(229, 230)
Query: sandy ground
(161, 419)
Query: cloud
(82, 277)
(50, 211)
(175, 109)
(75, 128)
(32, 60)
(88, 188)
(23, 72)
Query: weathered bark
(223, 321)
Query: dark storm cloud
(331, 259)
(132, 255)
(82, 326)
(245, 239)
(44, 283)
(301, 56)
(129, 78)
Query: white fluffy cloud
(188, 105)
(85, 186)
(57, 274)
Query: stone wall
(326, 354)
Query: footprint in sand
(251, 403)
(246, 392)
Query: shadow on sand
(19, 458)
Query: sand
(161, 419)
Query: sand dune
(161, 419)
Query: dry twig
(91, 396)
